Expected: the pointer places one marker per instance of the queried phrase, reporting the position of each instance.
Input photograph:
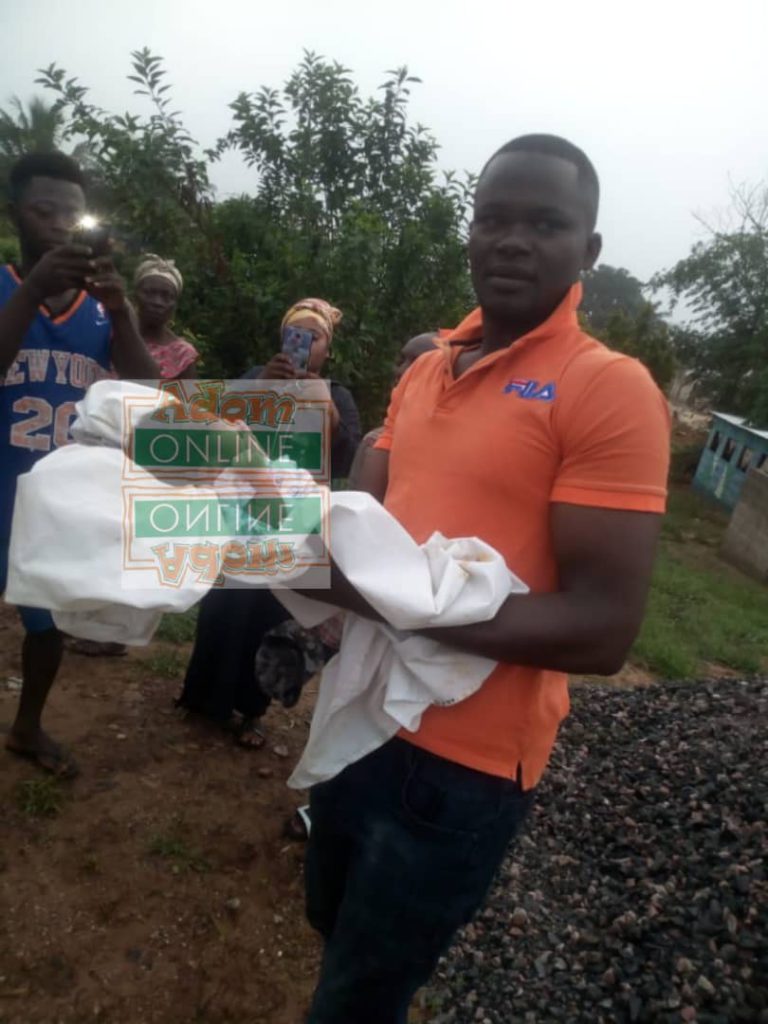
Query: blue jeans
(403, 848)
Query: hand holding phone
(95, 235)
(297, 345)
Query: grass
(701, 611)
(178, 629)
(165, 664)
(171, 845)
(39, 798)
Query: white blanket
(68, 539)
(385, 677)
(67, 554)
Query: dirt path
(162, 890)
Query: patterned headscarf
(155, 266)
(322, 312)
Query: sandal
(299, 824)
(55, 760)
(249, 735)
(95, 649)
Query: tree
(609, 290)
(615, 310)
(349, 205)
(154, 181)
(724, 283)
(346, 203)
(38, 128)
(645, 336)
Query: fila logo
(531, 389)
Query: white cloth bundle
(384, 677)
(67, 554)
(66, 550)
(68, 538)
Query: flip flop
(299, 824)
(249, 736)
(59, 762)
(95, 649)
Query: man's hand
(106, 285)
(279, 367)
(59, 270)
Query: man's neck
(499, 333)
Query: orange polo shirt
(555, 417)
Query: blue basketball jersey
(59, 357)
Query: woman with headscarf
(157, 286)
(221, 678)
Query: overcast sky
(668, 98)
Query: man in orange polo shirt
(524, 431)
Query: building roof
(739, 421)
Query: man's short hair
(554, 145)
(43, 165)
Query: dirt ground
(162, 890)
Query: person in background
(64, 322)
(298, 825)
(157, 285)
(409, 353)
(232, 621)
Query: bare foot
(45, 752)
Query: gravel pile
(639, 892)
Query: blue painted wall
(720, 477)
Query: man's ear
(594, 247)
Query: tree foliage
(645, 336)
(345, 203)
(615, 310)
(724, 284)
(610, 290)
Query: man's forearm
(15, 317)
(565, 632)
(343, 595)
(130, 355)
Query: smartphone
(94, 234)
(297, 344)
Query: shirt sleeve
(614, 429)
(384, 443)
(185, 355)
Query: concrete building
(746, 542)
(732, 450)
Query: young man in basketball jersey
(64, 322)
